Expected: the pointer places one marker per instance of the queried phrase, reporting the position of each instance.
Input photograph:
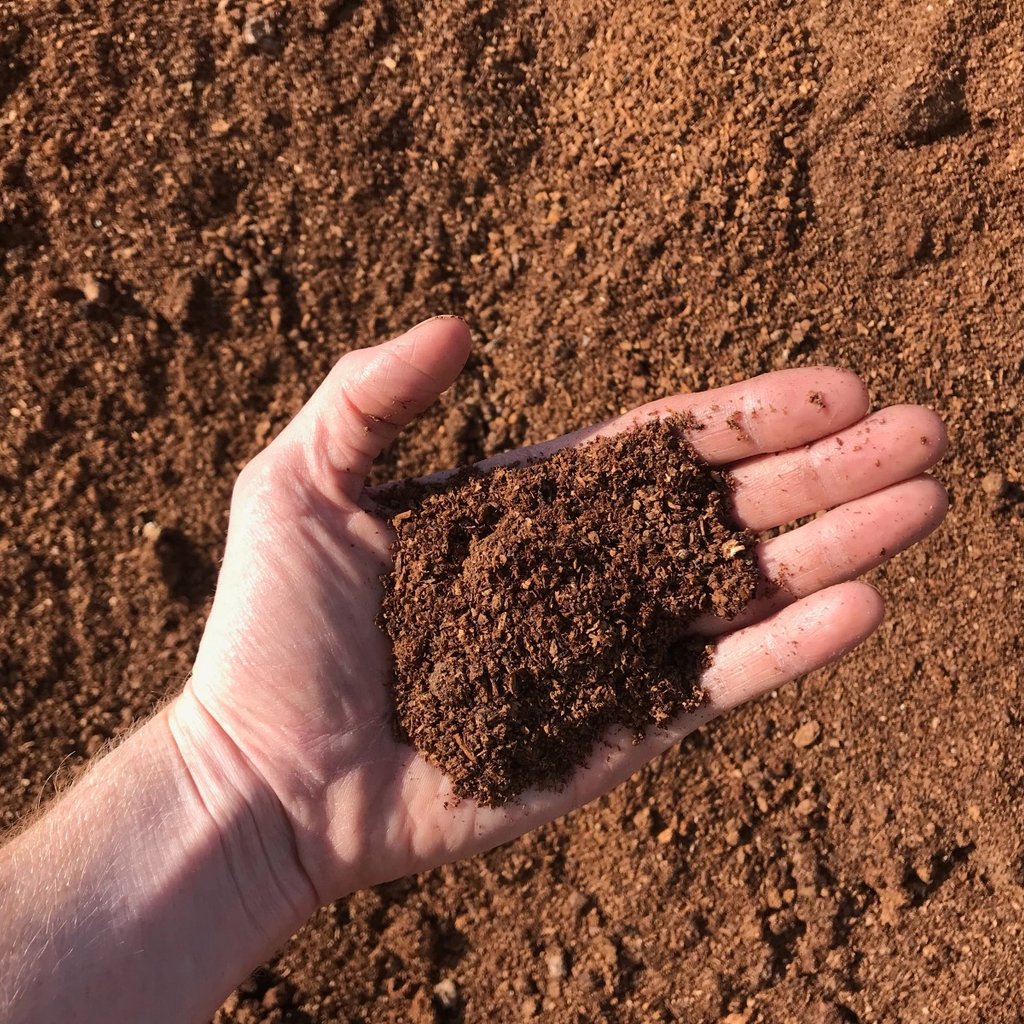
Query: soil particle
(735, 423)
(808, 734)
(666, 836)
(555, 963)
(95, 289)
(278, 995)
(532, 608)
(994, 484)
(446, 994)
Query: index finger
(770, 413)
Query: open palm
(293, 670)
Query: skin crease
(273, 784)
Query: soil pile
(532, 608)
(204, 204)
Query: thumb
(370, 395)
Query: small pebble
(94, 289)
(151, 532)
(576, 901)
(993, 484)
(446, 992)
(808, 734)
(554, 960)
(642, 819)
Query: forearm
(150, 889)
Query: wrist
(161, 879)
(252, 829)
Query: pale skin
(273, 783)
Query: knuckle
(820, 478)
(832, 549)
(779, 659)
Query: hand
(292, 673)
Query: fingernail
(432, 319)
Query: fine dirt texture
(532, 608)
(202, 205)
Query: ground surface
(203, 204)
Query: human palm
(294, 670)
